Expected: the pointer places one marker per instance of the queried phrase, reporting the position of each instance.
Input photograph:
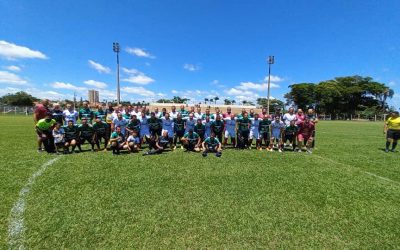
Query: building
(93, 96)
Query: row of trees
(342, 95)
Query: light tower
(271, 60)
(116, 50)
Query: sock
(394, 144)
(387, 145)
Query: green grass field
(345, 195)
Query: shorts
(264, 135)
(276, 134)
(211, 149)
(179, 133)
(101, 136)
(254, 134)
(289, 138)
(68, 140)
(303, 137)
(83, 139)
(230, 133)
(170, 133)
(144, 132)
(393, 134)
(41, 133)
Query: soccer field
(344, 195)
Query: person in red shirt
(228, 113)
(300, 116)
(305, 134)
(40, 112)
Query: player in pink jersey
(305, 134)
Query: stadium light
(116, 49)
(271, 60)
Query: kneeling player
(117, 141)
(133, 142)
(158, 146)
(191, 141)
(304, 136)
(212, 145)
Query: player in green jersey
(133, 125)
(265, 131)
(85, 112)
(100, 113)
(86, 133)
(191, 141)
(179, 129)
(290, 134)
(218, 127)
(212, 145)
(101, 131)
(71, 136)
(155, 124)
(243, 131)
(200, 129)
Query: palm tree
(233, 102)
(205, 100)
(216, 99)
(211, 100)
(227, 102)
(244, 102)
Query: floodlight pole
(116, 49)
(271, 60)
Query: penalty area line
(16, 227)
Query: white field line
(16, 227)
(365, 172)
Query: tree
(273, 104)
(163, 101)
(227, 102)
(211, 100)
(205, 100)
(233, 102)
(178, 99)
(19, 99)
(216, 99)
(302, 94)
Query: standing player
(243, 131)
(86, 133)
(144, 127)
(101, 131)
(57, 113)
(304, 135)
(230, 129)
(41, 110)
(155, 125)
(228, 113)
(71, 136)
(100, 113)
(207, 124)
(179, 130)
(70, 114)
(190, 122)
(254, 131)
(208, 114)
(198, 115)
(133, 125)
(289, 116)
(212, 145)
(200, 129)
(183, 112)
(291, 134)
(218, 127)
(392, 131)
(173, 114)
(277, 129)
(191, 141)
(120, 122)
(168, 125)
(265, 130)
(85, 112)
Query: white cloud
(191, 67)
(139, 52)
(138, 91)
(11, 78)
(11, 51)
(13, 68)
(100, 85)
(100, 68)
(107, 94)
(135, 76)
(174, 91)
(392, 83)
(38, 93)
(63, 85)
(256, 86)
(274, 79)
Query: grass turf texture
(345, 195)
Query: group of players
(129, 128)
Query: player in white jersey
(119, 122)
(144, 127)
(207, 123)
(230, 129)
(173, 114)
(190, 123)
(70, 114)
(288, 117)
(168, 125)
(198, 114)
(277, 129)
(254, 131)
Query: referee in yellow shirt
(392, 131)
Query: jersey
(86, 131)
(168, 125)
(264, 126)
(198, 115)
(190, 124)
(179, 125)
(44, 125)
(306, 129)
(184, 113)
(200, 129)
(134, 125)
(243, 124)
(211, 142)
(86, 113)
(287, 118)
(393, 123)
(207, 126)
(291, 130)
(120, 136)
(217, 126)
(276, 127)
(71, 133)
(144, 126)
(58, 135)
(100, 128)
(70, 116)
(211, 116)
(173, 115)
(230, 124)
(154, 123)
(191, 138)
(134, 139)
(101, 114)
(58, 115)
(255, 124)
(120, 123)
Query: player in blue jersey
(254, 131)
(277, 131)
(190, 123)
(230, 129)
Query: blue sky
(194, 49)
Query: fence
(358, 117)
(15, 110)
